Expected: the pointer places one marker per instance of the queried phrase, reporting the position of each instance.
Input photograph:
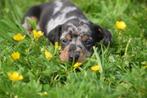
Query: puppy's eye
(89, 41)
(64, 41)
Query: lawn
(31, 68)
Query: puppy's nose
(77, 55)
(74, 57)
(72, 47)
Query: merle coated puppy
(61, 21)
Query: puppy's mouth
(66, 56)
(72, 56)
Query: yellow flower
(37, 34)
(120, 25)
(15, 55)
(43, 94)
(144, 64)
(57, 46)
(15, 76)
(18, 37)
(48, 55)
(145, 67)
(95, 68)
(77, 65)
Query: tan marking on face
(64, 54)
(82, 57)
(68, 37)
(84, 37)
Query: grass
(124, 63)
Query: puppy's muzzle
(74, 54)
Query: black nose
(74, 57)
(72, 47)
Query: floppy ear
(100, 34)
(54, 35)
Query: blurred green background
(124, 62)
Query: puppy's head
(77, 40)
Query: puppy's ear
(54, 35)
(100, 34)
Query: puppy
(61, 21)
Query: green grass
(123, 76)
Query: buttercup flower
(144, 64)
(15, 76)
(48, 55)
(18, 37)
(43, 94)
(15, 55)
(95, 68)
(77, 65)
(145, 67)
(57, 46)
(120, 25)
(37, 34)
